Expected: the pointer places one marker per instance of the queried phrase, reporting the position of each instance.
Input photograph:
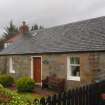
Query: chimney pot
(24, 28)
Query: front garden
(22, 95)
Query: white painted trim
(74, 64)
(73, 78)
(11, 70)
(68, 70)
(32, 67)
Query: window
(11, 70)
(73, 68)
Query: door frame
(32, 70)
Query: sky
(48, 12)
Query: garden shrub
(6, 80)
(16, 99)
(25, 84)
(1, 86)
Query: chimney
(24, 28)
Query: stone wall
(57, 64)
(92, 67)
(3, 64)
(100, 71)
(21, 65)
(54, 64)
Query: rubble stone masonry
(92, 67)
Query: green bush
(25, 84)
(16, 99)
(1, 86)
(6, 80)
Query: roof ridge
(75, 22)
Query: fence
(86, 95)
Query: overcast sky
(49, 12)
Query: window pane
(77, 60)
(75, 70)
(74, 60)
(71, 60)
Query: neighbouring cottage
(74, 51)
(16, 36)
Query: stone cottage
(74, 51)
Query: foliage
(2, 43)
(30, 97)
(1, 86)
(6, 80)
(10, 30)
(16, 99)
(25, 84)
(36, 27)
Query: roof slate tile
(87, 35)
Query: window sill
(73, 78)
(12, 72)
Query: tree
(1, 43)
(10, 30)
(41, 27)
(36, 27)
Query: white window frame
(11, 70)
(69, 76)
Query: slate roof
(87, 35)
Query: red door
(37, 69)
